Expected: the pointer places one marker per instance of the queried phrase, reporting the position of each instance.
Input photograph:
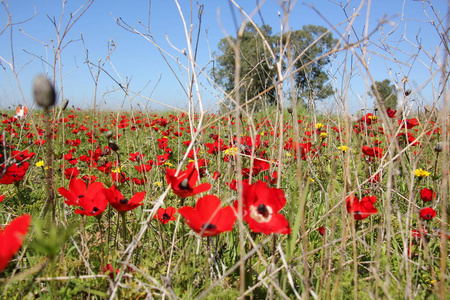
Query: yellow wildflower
(40, 163)
(157, 183)
(343, 148)
(231, 151)
(168, 164)
(319, 125)
(117, 170)
(421, 173)
(323, 135)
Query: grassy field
(270, 194)
(312, 206)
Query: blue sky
(137, 62)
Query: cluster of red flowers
(260, 206)
(427, 195)
(92, 199)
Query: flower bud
(109, 134)
(439, 147)
(113, 146)
(44, 91)
(289, 110)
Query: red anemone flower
(261, 205)
(391, 113)
(361, 209)
(207, 218)
(321, 230)
(22, 155)
(93, 206)
(427, 213)
(71, 173)
(427, 195)
(183, 184)
(78, 189)
(11, 238)
(14, 173)
(374, 151)
(120, 203)
(165, 215)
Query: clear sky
(138, 63)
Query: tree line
(304, 50)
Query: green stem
(102, 257)
(124, 228)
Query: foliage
(81, 256)
(309, 47)
(259, 52)
(387, 92)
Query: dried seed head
(64, 104)
(289, 110)
(439, 147)
(113, 146)
(407, 93)
(44, 91)
(109, 134)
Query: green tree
(387, 93)
(257, 66)
(308, 47)
(258, 70)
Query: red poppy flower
(321, 230)
(22, 155)
(373, 152)
(410, 123)
(71, 173)
(361, 209)
(92, 206)
(142, 168)
(119, 202)
(161, 159)
(78, 189)
(427, 213)
(136, 156)
(110, 271)
(89, 179)
(207, 218)
(14, 173)
(261, 205)
(272, 179)
(119, 177)
(138, 181)
(165, 215)
(2, 197)
(303, 149)
(11, 238)
(427, 195)
(183, 184)
(391, 113)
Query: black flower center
(184, 185)
(208, 226)
(123, 201)
(262, 210)
(165, 216)
(80, 196)
(94, 210)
